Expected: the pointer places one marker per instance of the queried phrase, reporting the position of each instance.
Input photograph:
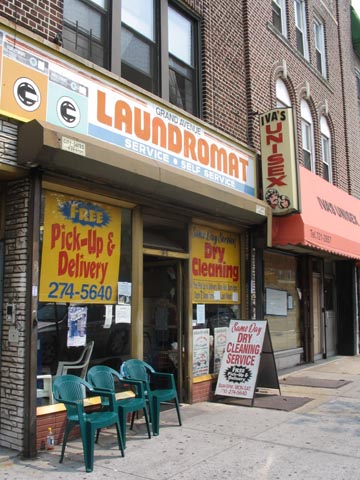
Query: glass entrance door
(330, 320)
(317, 318)
(163, 315)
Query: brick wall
(43, 17)
(15, 267)
(57, 422)
(8, 141)
(354, 160)
(224, 94)
(13, 352)
(350, 63)
(222, 65)
(203, 391)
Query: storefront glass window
(85, 282)
(215, 267)
(282, 301)
(210, 324)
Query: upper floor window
(153, 44)
(307, 135)
(326, 149)
(282, 94)
(301, 33)
(182, 73)
(279, 15)
(319, 34)
(139, 44)
(86, 28)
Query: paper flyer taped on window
(77, 321)
(200, 314)
(122, 313)
(108, 316)
(124, 293)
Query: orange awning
(329, 220)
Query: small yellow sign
(81, 250)
(215, 266)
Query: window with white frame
(282, 94)
(319, 34)
(279, 16)
(326, 149)
(301, 32)
(307, 135)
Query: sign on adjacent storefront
(329, 219)
(279, 164)
(215, 265)
(81, 251)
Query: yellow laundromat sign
(215, 266)
(81, 250)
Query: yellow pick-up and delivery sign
(81, 250)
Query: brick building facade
(298, 54)
(237, 56)
(355, 66)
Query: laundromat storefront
(211, 244)
(92, 139)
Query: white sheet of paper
(200, 314)
(108, 316)
(122, 313)
(217, 295)
(124, 288)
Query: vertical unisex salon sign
(215, 265)
(241, 360)
(278, 158)
(81, 250)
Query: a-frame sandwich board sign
(267, 375)
(248, 361)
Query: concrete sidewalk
(319, 440)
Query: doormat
(314, 382)
(273, 402)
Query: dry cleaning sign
(241, 359)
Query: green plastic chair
(104, 377)
(159, 387)
(71, 391)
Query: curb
(7, 454)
